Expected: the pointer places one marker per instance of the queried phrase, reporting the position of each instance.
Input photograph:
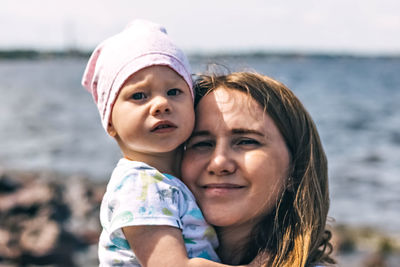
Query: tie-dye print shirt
(138, 194)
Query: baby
(141, 83)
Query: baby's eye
(138, 96)
(174, 91)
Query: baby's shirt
(138, 194)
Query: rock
(39, 236)
(7, 247)
(7, 185)
(48, 219)
(374, 260)
(27, 196)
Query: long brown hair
(294, 233)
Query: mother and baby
(237, 178)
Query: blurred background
(341, 58)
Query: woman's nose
(160, 105)
(221, 163)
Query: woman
(257, 168)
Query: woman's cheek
(190, 168)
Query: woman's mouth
(224, 185)
(222, 189)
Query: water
(48, 121)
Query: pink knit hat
(140, 45)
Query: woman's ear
(111, 130)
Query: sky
(339, 26)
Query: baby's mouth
(162, 125)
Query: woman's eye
(138, 96)
(248, 142)
(202, 145)
(174, 91)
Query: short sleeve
(143, 197)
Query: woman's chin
(223, 219)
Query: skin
(235, 164)
(151, 117)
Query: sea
(49, 122)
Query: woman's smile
(222, 189)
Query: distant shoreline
(32, 54)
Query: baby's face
(153, 112)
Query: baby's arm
(162, 246)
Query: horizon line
(68, 52)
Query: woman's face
(236, 161)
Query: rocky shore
(50, 219)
